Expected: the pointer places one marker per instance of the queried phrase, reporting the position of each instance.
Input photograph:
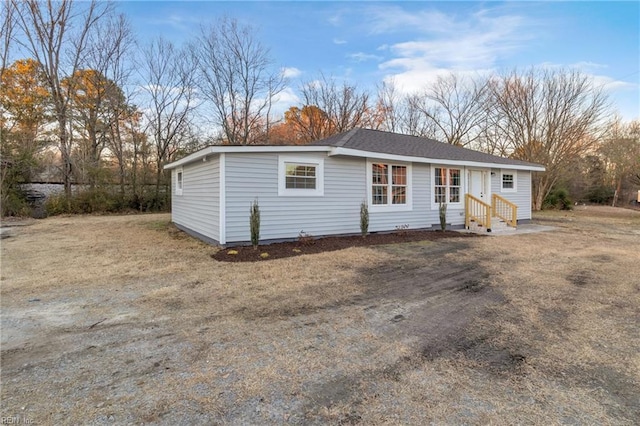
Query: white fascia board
(393, 157)
(221, 149)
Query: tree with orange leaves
(95, 104)
(24, 108)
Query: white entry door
(478, 185)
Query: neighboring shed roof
(411, 146)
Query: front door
(478, 184)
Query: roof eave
(406, 158)
(220, 149)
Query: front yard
(123, 319)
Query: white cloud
(336, 19)
(588, 65)
(468, 45)
(591, 70)
(182, 23)
(283, 101)
(394, 18)
(362, 57)
(611, 84)
(339, 41)
(291, 72)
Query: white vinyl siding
(285, 217)
(198, 207)
(336, 212)
(521, 196)
(347, 183)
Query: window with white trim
(300, 176)
(508, 179)
(447, 185)
(179, 181)
(389, 184)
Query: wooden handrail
(504, 209)
(478, 210)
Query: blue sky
(412, 42)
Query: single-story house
(318, 188)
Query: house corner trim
(223, 202)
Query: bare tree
(621, 152)
(403, 112)
(414, 121)
(170, 100)
(455, 108)
(329, 109)
(57, 35)
(8, 19)
(389, 107)
(550, 117)
(236, 77)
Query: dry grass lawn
(123, 319)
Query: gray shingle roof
(411, 146)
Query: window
(179, 183)
(300, 176)
(509, 181)
(389, 184)
(446, 185)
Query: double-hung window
(300, 176)
(508, 181)
(389, 184)
(447, 185)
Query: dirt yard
(123, 319)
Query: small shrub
(104, 200)
(56, 204)
(559, 199)
(600, 195)
(364, 219)
(254, 223)
(14, 203)
(443, 216)
(305, 239)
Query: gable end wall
(198, 208)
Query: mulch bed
(307, 245)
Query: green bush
(443, 216)
(14, 203)
(600, 195)
(559, 199)
(364, 219)
(56, 204)
(102, 200)
(254, 223)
